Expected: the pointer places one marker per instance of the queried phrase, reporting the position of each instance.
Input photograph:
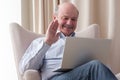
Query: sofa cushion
(91, 31)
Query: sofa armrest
(32, 75)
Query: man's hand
(51, 34)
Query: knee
(96, 63)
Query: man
(45, 54)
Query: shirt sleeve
(33, 57)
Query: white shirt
(41, 56)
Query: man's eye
(65, 18)
(73, 19)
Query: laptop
(79, 51)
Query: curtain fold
(37, 14)
(46, 9)
(116, 36)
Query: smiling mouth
(67, 26)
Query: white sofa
(21, 38)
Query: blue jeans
(93, 70)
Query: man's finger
(51, 25)
(55, 25)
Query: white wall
(10, 11)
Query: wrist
(48, 42)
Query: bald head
(67, 6)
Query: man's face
(67, 19)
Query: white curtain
(37, 14)
(46, 9)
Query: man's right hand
(51, 34)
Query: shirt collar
(63, 36)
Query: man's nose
(69, 22)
